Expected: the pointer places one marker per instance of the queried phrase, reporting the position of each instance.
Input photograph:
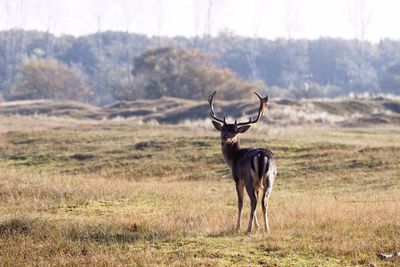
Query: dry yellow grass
(115, 193)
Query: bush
(49, 79)
(179, 73)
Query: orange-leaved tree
(182, 73)
(50, 79)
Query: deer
(251, 168)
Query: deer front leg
(239, 190)
(253, 203)
(264, 203)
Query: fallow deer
(252, 168)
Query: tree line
(106, 66)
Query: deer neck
(230, 151)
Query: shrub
(180, 73)
(49, 79)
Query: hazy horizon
(371, 20)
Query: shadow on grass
(15, 226)
(113, 234)
(99, 233)
(226, 233)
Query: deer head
(229, 132)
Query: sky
(363, 19)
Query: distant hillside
(346, 112)
(70, 109)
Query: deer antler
(263, 104)
(212, 113)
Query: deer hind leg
(264, 203)
(253, 203)
(240, 191)
(255, 213)
(256, 183)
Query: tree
(11, 52)
(359, 14)
(296, 64)
(130, 11)
(182, 73)
(196, 19)
(159, 7)
(325, 56)
(209, 12)
(252, 46)
(50, 79)
(361, 73)
(290, 16)
(49, 12)
(390, 81)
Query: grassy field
(81, 192)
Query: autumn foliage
(50, 79)
(180, 73)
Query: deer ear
(243, 129)
(217, 125)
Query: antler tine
(263, 103)
(265, 99)
(212, 113)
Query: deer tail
(260, 164)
